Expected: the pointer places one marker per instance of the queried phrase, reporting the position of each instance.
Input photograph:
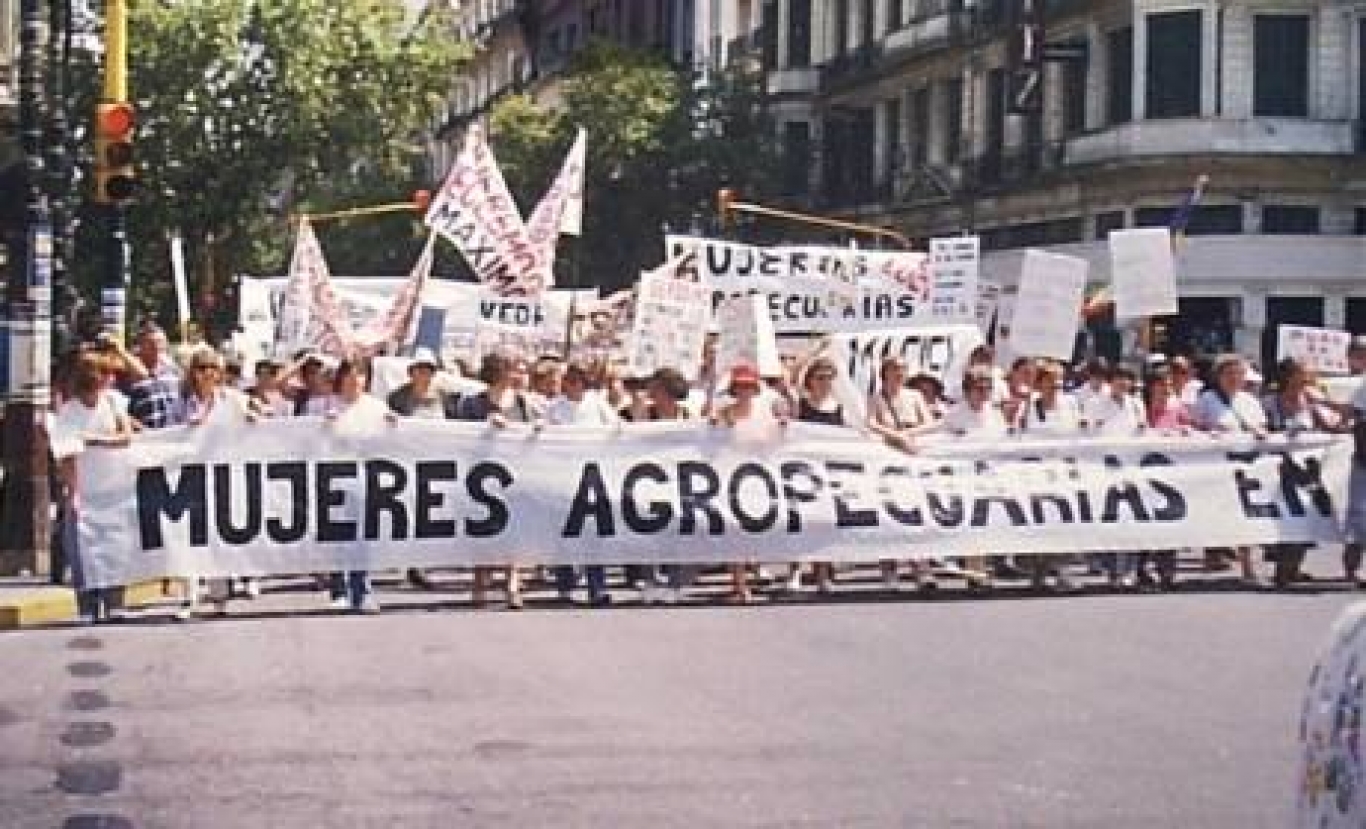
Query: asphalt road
(1099, 710)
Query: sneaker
(649, 593)
(825, 586)
(515, 601)
(671, 595)
(925, 581)
(184, 613)
(600, 599)
(1063, 582)
(339, 603)
(252, 588)
(890, 582)
(793, 584)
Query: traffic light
(114, 124)
(725, 198)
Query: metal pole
(118, 256)
(28, 291)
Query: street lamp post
(28, 299)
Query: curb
(32, 607)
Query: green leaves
(251, 109)
(659, 146)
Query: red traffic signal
(114, 175)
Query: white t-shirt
(1241, 414)
(1087, 395)
(906, 410)
(1108, 416)
(1063, 419)
(592, 410)
(961, 419)
(363, 409)
(74, 418)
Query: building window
(1034, 234)
(1290, 219)
(920, 131)
(1119, 46)
(1360, 227)
(1280, 84)
(953, 120)
(891, 144)
(1073, 97)
(799, 34)
(1106, 222)
(1173, 81)
(796, 157)
(869, 23)
(893, 10)
(1204, 221)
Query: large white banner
(941, 351)
(814, 290)
(471, 308)
(301, 496)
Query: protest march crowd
(107, 395)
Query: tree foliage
(250, 110)
(660, 143)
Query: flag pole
(573, 300)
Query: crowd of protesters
(107, 393)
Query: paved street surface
(1096, 710)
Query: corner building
(902, 112)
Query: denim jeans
(353, 585)
(567, 578)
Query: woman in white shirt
(1226, 408)
(349, 402)
(206, 399)
(1117, 412)
(578, 405)
(1051, 412)
(92, 417)
(898, 414)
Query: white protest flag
(747, 336)
(1047, 305)
(310, 315)
(1143, 272)
(955, 264)
(1318, 349)
(474, 210)
(560, 210)
(391, 330)
(673, 314)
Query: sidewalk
(28, 602)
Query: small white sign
(1143, 272)
(1319, 349)
(1047, 309)
(747, 336)
(673, 314)
(955, 264)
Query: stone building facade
(900, 112)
